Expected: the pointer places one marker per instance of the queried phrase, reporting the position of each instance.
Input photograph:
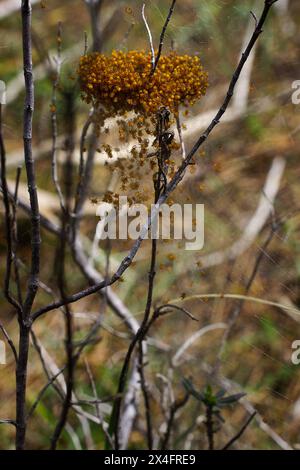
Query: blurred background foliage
(228, 178)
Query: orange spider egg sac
(122, 81)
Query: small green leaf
(190, 389)
(231, 399)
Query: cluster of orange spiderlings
(123, 81)
(123, 85)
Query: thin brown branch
(33, 282)
(168, 308)
(94, 7)
(144, 388)
(42, 392)
(14, 225)
(96, 402)
(159, 185)
(29, 162)
(240, 433)
(85, 172)
(162, 36)
(175, 407)
(209, 427)
(237, 310)
(62, 285)
(10, 342)
(8, 224)
(53, 110)
(138, 338)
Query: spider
(163, 138)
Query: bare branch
(8, 225)
(240, 433)
(194, 337)
(94, 7)
(33, 282)
(149, 36)
(29, 162)
(175, 407)
(10, 342)
(162, 36)
(53, 110)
